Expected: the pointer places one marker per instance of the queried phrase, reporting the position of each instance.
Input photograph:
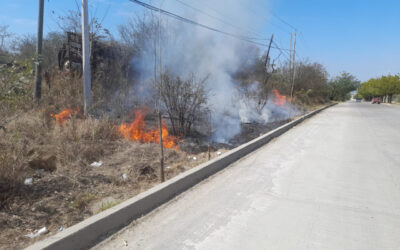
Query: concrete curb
(96, 228)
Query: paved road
(332, 182)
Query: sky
(357, 36)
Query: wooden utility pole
(161, 147)
(262, 100)
(86, 58)
(294, 65)
(159, 102)
(267, 60)
(38, 66)
(290, 56)
(209, 134)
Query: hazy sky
(358, 36)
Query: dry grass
(29, 131)
(32, 136)
(15, 146)
(80, 142)
(64, 195)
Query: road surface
(332, 182)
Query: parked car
(376, 100)
(358, 99)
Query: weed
(109, 204)
(82, 201)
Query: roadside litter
(96, 164)
(38, 233)
(28, 181)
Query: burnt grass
(250, 131)
(198, 143)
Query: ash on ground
(199, 143)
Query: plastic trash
(124, 177)
(38, 233)
(219, 153)
(28, 181)
(96, 164)
(61, 228)
(194, 158)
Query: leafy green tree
(390, 86)
(342, 85)
(385, 86)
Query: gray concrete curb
(96, 228)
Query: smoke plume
(187, 49)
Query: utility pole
(267, 60)
(209, 134)
(38, 66)
(290, 56)
(294, 64)
(86, 58)
(161, 147)
(159, 102)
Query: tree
(385, 86)
(310, 82)
(138, 32)
(342, 85)
(183, 99)
(4, 36)
(312, 78)
(71, 22)
(25, 47)
(389, 86)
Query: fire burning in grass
(64, 115)
(136, 131)
(279, 100)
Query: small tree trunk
(161, 147)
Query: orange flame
(279, 100)
(64, 115)
(136, 131)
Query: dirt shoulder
(62, 198)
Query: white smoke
(190, 49)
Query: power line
(273, 14)
(235, 26)
(221, 20)
(183, 19)
(284, 51)
(278, 17)
(253, 31)
(283, 21)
